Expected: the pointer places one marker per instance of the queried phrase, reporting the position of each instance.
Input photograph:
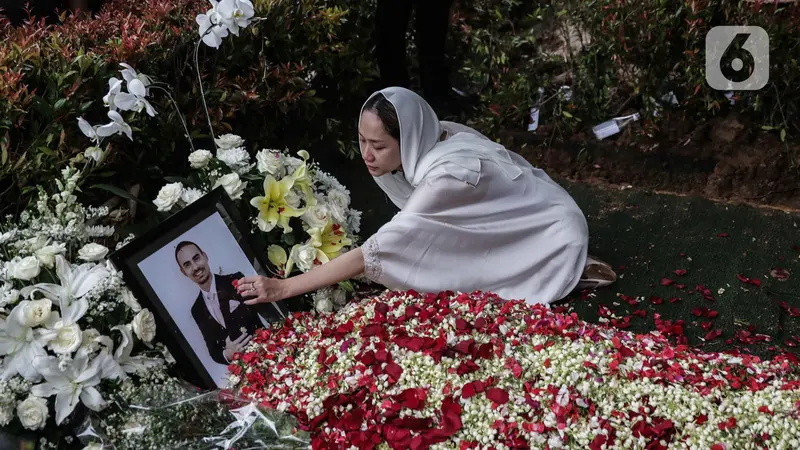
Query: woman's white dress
(524, 238)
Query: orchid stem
(180, 116)
(200, 81)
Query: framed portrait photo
(185, 269)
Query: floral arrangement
(302, 212)
(404, 370)
(70, 330)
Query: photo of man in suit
(226, 322)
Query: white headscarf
(421, 149)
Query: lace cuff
(372, 264)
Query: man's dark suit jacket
(242, 316)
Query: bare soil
(726, 159)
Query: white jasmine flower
(144, 325)
(33, 413)
(228, 142)
(199, 159)
(92, 252)
(168, 196)
(232, 184)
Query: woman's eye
(378, 148)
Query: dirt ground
(726, 159)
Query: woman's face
(380, 151)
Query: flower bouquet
(301, 213)
(404, 370)
(70, 330)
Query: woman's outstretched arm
(346, 266)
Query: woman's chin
(374, 171)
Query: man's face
(194, 264)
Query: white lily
(129, 74)
(76, 383)
(76, 282)
(123, 363)
(236, 14)
(114, 88)
(134, 99)
(117, 125)
(21, 344)
(88, 130)
(212, 20)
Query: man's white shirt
(212, 302)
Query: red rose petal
(666, 282)
(680, 272)
(497, 395)
(711, 335)
(780, 274)
(723, 235)
(394, 371)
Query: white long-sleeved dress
(521, 239)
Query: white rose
(91, 340)
(339, 297)
(337, 213)
(199, 158)
(47, 254)
(323, 305)
(33, 413)
(232, 184)
(293, 199)
(236, 158)
(67, 339)
(7, 236)
(269, 161)
(144, 325)
(191, 195)
(34, 312)
(130, 300)
(303, 256)
(168, 196)
(229, 141)
(92, 252)
(24, 269)
(316, 216)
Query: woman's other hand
(262, 289)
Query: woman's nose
(368, 156)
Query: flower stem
(200, 81)
(180, 116)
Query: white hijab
(421, 149)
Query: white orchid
(212, 26)
(236, 14)
(88, 130)
(76, 282)
(76, 383)
(129, 74)
(114, 88)
(134, 99)
(117, 125)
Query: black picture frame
(127, 260)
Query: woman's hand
(262, 289)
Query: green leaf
(121, 192)
(783, 134)
(567, 114)
(86, 105)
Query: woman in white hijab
(473, 216)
